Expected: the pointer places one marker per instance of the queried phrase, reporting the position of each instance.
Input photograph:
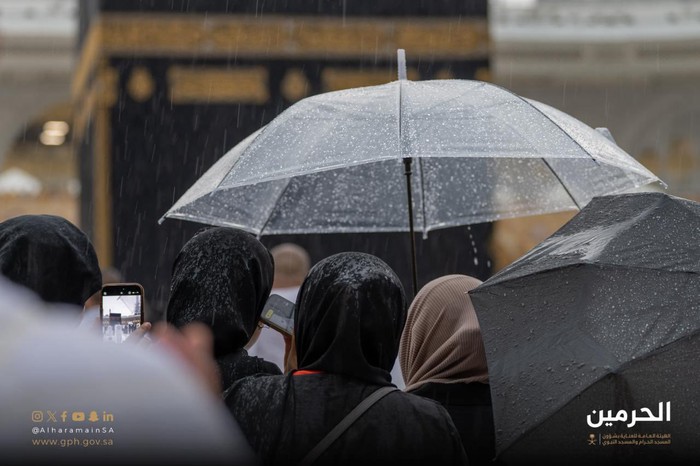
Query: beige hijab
(441, 341)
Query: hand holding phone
(278, 314)
(121, 310)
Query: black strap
(343, 425)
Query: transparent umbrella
(405, 156)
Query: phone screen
(278, 313)
(122, 310)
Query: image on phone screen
(122, 311)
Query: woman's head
(221, 277)
(442, 340)
(50, 256)
(348, 318)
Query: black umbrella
(592, 338)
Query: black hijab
(221, 277)
(50, 256)
(349, 315)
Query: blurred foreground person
(443, 358)
(68, 398)
(292, 263)
(222, 277)
(349, 316)
(50, 256)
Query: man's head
(292, 263)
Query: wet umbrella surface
(343, 162)
(592, 337)
(333, 163)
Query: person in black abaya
(223, 277)
(50, 256)
(349, 315)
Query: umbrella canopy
(595, 332)
(333, 163)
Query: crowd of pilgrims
(352, 324)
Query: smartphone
(121, 311)
(278, 313)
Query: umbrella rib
(552, 121)
(561, 182)
(238, 159)
(497, 280)
(274, 205)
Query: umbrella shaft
(407, 166)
